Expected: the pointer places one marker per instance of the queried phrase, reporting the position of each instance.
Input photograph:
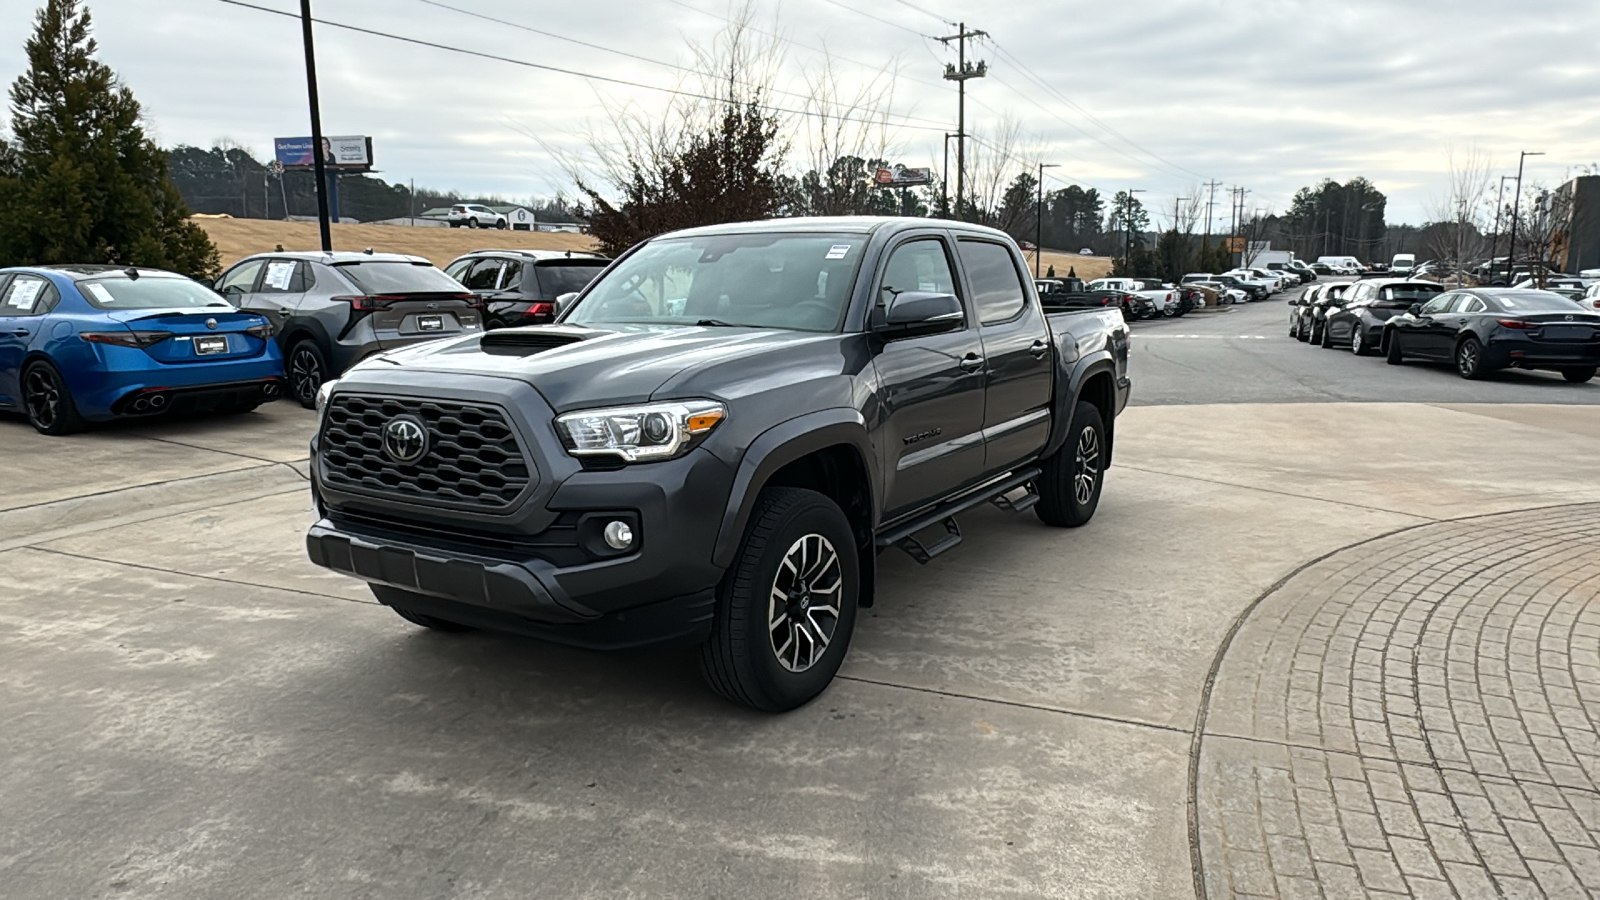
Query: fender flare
(777, 447)
(1087, 368)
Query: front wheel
(787, 606)
(1578, 375)
(1327, 336)
(501, 224)
(1069, 485)
(1358, 340)
(1391, 350)
(48, 400)
(1469, 359)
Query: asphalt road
(1243, 354)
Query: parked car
(714, 441)
(1300, 311)
(520, 287)
(1219, 294)
(1252, 289)
(1342, 265)
(1329, 300)
(82, 344)
(1163, 300)
(1306, 273)
(1322, 268)
(1591, 298)
(473, 215)
(332, 309)
(1484, 329)
(1086, 252)
(1066, 285)
(1368, 305)
(1403, 263)
(1268, 285)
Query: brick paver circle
(1414, 716)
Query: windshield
(1411, 291)
(560, 278)
(384, 277)
(792, 281)
(148, 292)
(1536, 301)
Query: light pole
(1038, 219)
(1127, 226)
(1516, 207)
(1499, 207)
(316, 130)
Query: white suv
(474, 216)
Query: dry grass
(1087, 267)
(238, 238)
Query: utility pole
(1175, 202)
(316, 129)
(946, 177)
(960, 73)
(1211, 200)
(1516, 209)
(1499, 206)
(1127, 226)
(1038, 219)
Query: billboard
(347, 153)
(900, 176)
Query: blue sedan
(83, 344)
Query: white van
(1403, 263)
(1344, 265)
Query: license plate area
(209, 346)
(430, 323)
(1566, 332)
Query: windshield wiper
(716, 323)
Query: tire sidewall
(1477, 368)
(67, 420)
(307, 345)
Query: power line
(557, 69)
(928, 13)
(862, 12)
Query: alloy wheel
(803, 607)
(42, 396)
(305, 372)
(1356, 343)
(1086, 473)
(1467, 358)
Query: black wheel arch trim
(1087, 368)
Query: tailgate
(406, 318)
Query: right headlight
(649, 431)
(324, 392)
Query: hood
(574, 367)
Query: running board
(904, 534)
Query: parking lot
(1314, 641)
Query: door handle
(972, 362)
(1039, 349)
(20, 332)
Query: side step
(1019, 499)
(904, 534)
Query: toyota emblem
(211, 324)
(405, 440)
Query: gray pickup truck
(714, 441)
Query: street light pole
(1499, 207)
(1516, 208)
(316, 130)
(1038, 219)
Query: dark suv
(330, 310)
(520, 287)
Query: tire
(48, 401)
(1294, 327)
(747, 661)
(1469, 359)
(1579, 375)
(494, 322)
(1327, 337)
(472, 223)
(1070, 483)
(394, 598)
(500, 224)
(307, 369)
(1391, 349)
(1358, 341)
(1316, 334)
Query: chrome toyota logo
(211, 324)
(405, 440)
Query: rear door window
(997, 290)
(284, 276)
(484, 275)
(28, 295)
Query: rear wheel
(1578, 375)
(1391, 349)
(307, 371)
(1358, 340)
(1469, 359)
(48, 400)
(1069, 485)
(787, 606)
(1327, 336)
(472, 223)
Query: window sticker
(100, 293)
(279, 274)
(24, 292)
(838, 251)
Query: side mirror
(917, 313)
(565, 300)
(1415, 309)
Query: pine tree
(80, 182)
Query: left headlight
(641, 433)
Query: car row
(1477, 330)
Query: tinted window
(917, 266)
(1473, 305)
(381, 277)
(1535, 301)
(997, 291)
(483, 276)
(28, 295)
(243, 277)
(147, 292)
(565, 277)
(763, 280)
(1440, 304)
(511, 275)
(458, 269)
(1412, 292)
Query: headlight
(639, 433)
(324, 392)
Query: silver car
(330, 310)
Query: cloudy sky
(1161, 95)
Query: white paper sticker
(837, 251)
(24, 292)
(279, 274)
(100, 293)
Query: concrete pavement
(194, 710)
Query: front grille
(473, 460)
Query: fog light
(618, 536)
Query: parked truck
(714, 441)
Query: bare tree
(993, 162)
(845, 136)
(1460, 214)
(1544, 229)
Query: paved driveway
(191, 709)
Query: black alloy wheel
(307, 371)
(1327, 336)
(1469, 359)
(48, 401)
(1072, 477)
(1391, 348)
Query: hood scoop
(518, 342)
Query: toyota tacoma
(715, 439)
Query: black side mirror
(918, 313)
(1415, 309)
(563, 301)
